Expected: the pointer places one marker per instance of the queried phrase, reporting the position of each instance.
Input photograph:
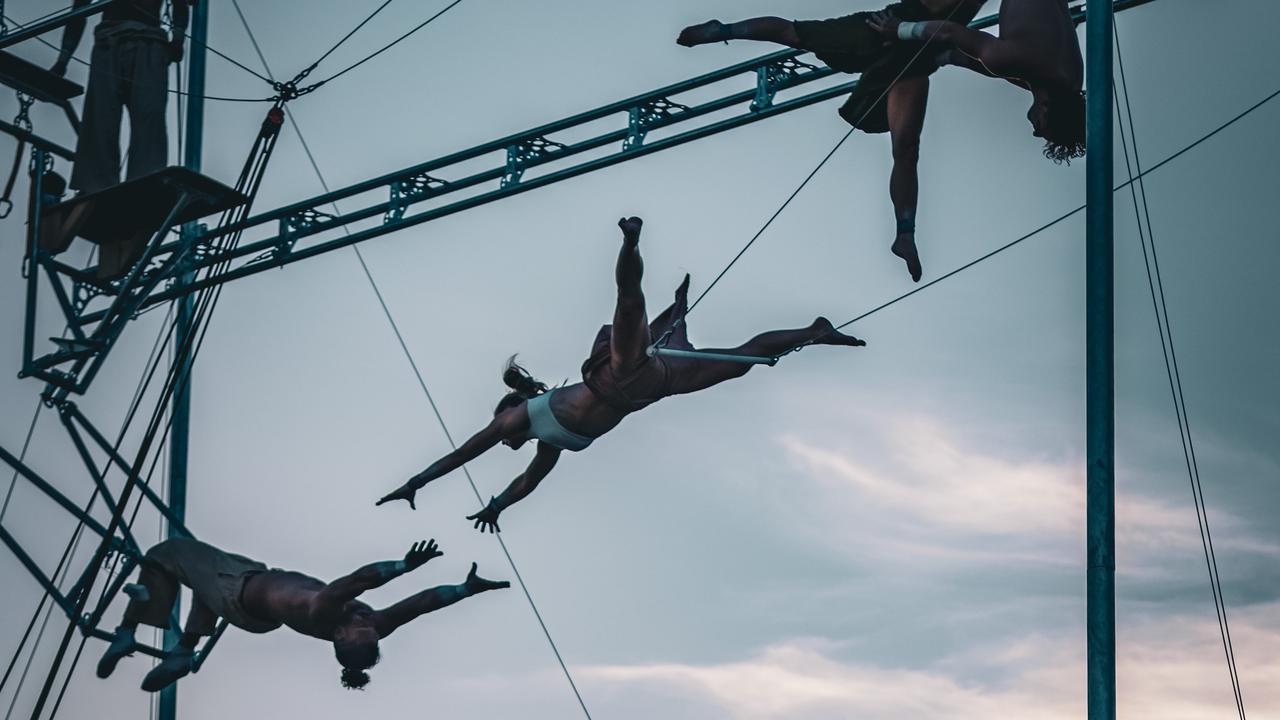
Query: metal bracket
(526, 153)
(290, 227)
(642, 117)
(774, 77)
(409, 191)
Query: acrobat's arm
(71, 35)
(468, 451)
(388, 619)
(519, 489)
(349, 587)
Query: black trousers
(125, 71)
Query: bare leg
(694, 375)
(766, 29)
(907, 102)
(630, 323)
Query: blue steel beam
(522, 152)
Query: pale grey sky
(882, 533)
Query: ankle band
(910, 30)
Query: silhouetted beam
(39, 28)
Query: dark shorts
(847, 44)
(216, 579)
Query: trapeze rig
(152, 250)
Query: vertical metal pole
(179, 433)
(1100, 364)
(35, 208)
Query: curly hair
(354, 679)
(523, 386)
(355, 659)
(1065, 128)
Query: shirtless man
(892, 91)
(1037, 50)
(254, 598)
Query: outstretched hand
(404, 492)
(487, 519)
(631, 227)
(885, 23)
(420, 553)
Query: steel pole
(1100, 367)
(180, 433)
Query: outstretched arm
(71, 35)
(502, 425)
(388, 619)
(519, 489)
(338, 593)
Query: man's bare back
(245, 593)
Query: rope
(72, 544)
(1204, 138)
(315, 166)
(1160, 307)
(249, 182)
(814, 172)
(378, 52)
(85, 63)
(346, 37)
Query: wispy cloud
(1171, 669)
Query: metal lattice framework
(179, 262)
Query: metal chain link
(23, 119)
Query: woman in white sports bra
(618, 378)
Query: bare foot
(830, 336)
(905, 248)
(708, 32)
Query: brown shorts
(216, 579)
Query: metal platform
(121, 219)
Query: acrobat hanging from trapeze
(1037, 50)
(892, 92)
(621, 376)
(252, 597)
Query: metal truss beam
(552, 148)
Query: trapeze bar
(137, 647)
(37, 141)
(725, 357)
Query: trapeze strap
(544, 426)
(704, 355)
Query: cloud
(1170, 669)
(931, 495)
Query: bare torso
(580, 411)
(291, 598)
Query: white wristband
(910, 30)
